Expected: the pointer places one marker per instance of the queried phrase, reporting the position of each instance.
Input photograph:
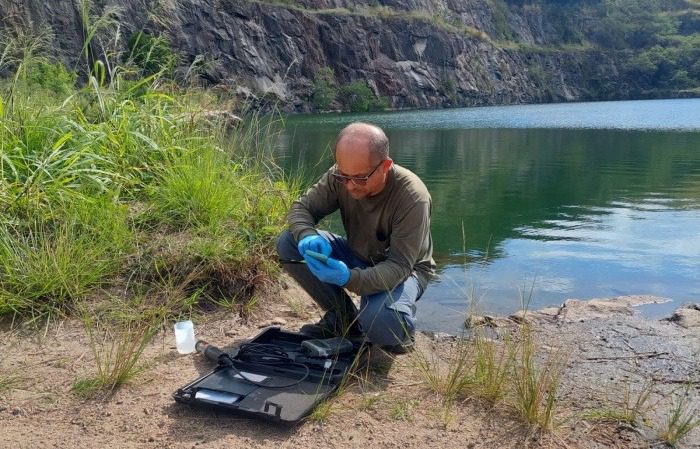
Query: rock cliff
(415, 53)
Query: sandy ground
(607, 350)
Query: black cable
(264, 354)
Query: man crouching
(386, 256)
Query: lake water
(545, 202)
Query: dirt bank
(608, 350)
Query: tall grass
(506, 371)
(491, 368)
(535, 385)
(48, 263)
(129, 181)
(200, 189)
(117, 339)
(447, 376)
(683, 418)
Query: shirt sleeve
(410, 234)
(320, 200)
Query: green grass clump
(535, 385)
(8, 381)
(117, 338)
(134, 183)
(200, 189)
(510, 372)
(632, 407)
(682, 420)
(402, 410)
(447, 377)
(49, 263)
(490, 372)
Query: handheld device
(318, 256)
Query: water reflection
(577, 212)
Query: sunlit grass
(117, 338)
(501, 367)
(683, 418)
(48, 263)
(631, 409)
(132, 182)
(535, 385)
(448, 374)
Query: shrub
(358, 97)
(151, 54)
(324, 91)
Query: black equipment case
(245, 382)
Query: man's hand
(332, 272)
(314, 243)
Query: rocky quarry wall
(415, 53)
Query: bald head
(365, 135)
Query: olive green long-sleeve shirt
(390, 231)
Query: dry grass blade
(632, 407)
(448, 376)
(682, 420)
(535, 386)
(116, 345)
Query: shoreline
(608, 349)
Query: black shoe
(318, 330)
(328, 327)
(402, 348)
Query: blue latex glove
(332, 272)
(315, 243)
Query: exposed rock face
(275, 50)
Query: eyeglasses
(357, 180)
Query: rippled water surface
(544, 202)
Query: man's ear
(388, 162)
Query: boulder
(688, 316)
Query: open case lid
(279, 392)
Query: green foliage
(199, 189)
(358, 97)
(152, 54)
(652, 43)
(324, 90)
(117, 340)
(671, 66)
(53, 77)
(49, 263)
(500, 19)
(129, 180)
(682, 419)
(448, 87)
